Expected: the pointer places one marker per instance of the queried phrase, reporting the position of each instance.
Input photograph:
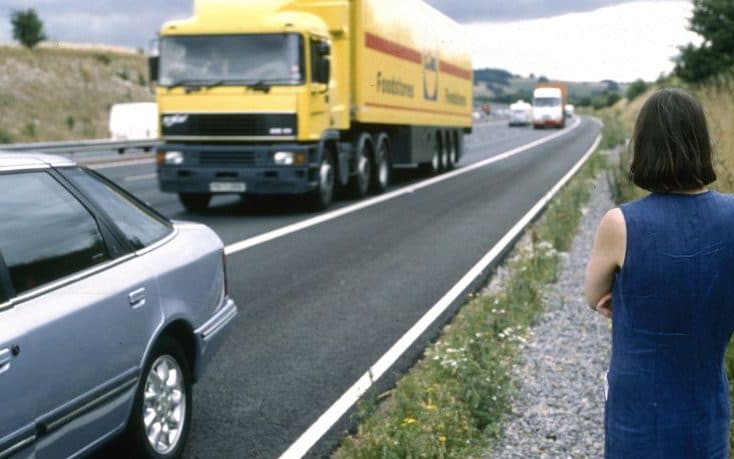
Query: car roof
(12, 160)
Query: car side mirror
(153, 62)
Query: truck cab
(548, 108)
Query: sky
(581, 40)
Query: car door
(89, 310)
(17, 416)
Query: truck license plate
(227, 187)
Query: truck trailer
(296, 97)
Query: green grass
(41, 90)
(458, 395)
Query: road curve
(320, 305)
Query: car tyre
(162, 403)
(195, 202)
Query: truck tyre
(195, 202)
(322, 196)
(381, 166)
(434, 166)
(452, 156)
(444, 149)
(363, 166)
(161, 418)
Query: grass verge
(458, 394)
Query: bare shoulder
(612, 234)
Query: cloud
(512, 10)
(621, 42)
(131, 23)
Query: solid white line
(137, 178)
(130, 162)
(309, 222)
(322, 425)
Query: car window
(139, 225)
(45, 232)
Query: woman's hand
(604, 306)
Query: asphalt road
(320, 305)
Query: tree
(713, 20)
(635, 89)
(27, 27)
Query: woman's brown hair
(671, 144)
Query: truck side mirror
(325, 71)
(153, 68)
(324, 48)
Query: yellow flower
(408, 421)
(442, 439)
(430, 407)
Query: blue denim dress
(672, 317)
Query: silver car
(108, 314)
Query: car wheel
(381, 167)
(322, 196)
(161, 417)
(194, 202)
(363, 167)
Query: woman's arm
(607, 256)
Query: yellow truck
(303, 96)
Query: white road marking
(130, 162)
(289, 229)
(322, 425)
(137, 178)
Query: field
(57, 93)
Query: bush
(103, 58)
(5, 136)
(27, 27)
(635, 89)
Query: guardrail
(84, 146)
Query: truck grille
(212, 158)
(228, 125)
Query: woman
(662, 268)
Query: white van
(548, 107)
(134, 121)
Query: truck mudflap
(250, 169)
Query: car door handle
(137, 298)
(5, 357)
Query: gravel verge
(558, 407)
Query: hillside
(503, 86)
(55, 93)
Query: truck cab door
(320, 99)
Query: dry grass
(51, 94)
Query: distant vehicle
(570, 110)
(300, 97)
(477, 116)
(521, 113)
(109, 313)
(486, 109)
(134, 121)
(549, 101)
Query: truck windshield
(547, 102)
(262, 59)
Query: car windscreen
(232, 59)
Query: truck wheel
(452, 156)
(434, 167)
(381, 167)
(363, 159)
(161, 416)
(195, 202)
(444, 149)
(322, 196)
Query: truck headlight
(174, 157)
(289, 158)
